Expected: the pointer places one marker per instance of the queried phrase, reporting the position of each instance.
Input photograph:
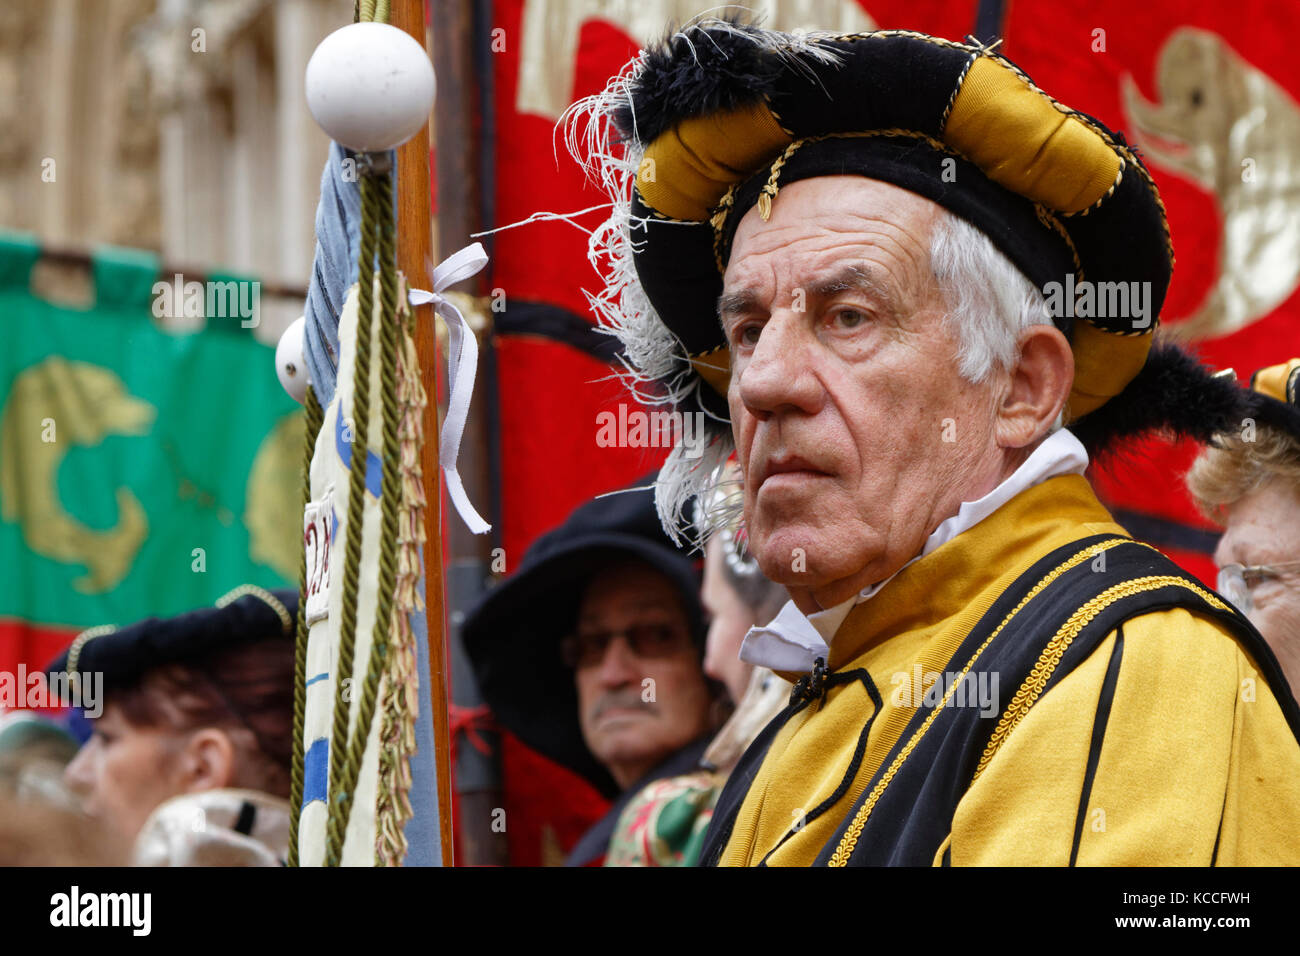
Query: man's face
(854, 430)
(637, 708)
(1263, 527)
(124, 772)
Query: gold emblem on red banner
(1231, 129)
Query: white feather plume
(655, 366)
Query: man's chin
(629, 741)
(803, 571)
(790, 557)
(623, 715)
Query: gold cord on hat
(773, 180)
(74, 649)
(244, 590)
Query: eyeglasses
(644, 640)
(1236, 581)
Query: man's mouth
(612, 715)
(787, 468)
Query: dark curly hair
(246, 691)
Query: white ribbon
(462, 363)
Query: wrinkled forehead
(821, 227)
(1263, 525)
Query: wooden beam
(462, 109)
(414, 256)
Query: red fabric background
(1053, 43)
(34, 646)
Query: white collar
(793, 641)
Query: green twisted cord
(376, 10)
(370, 213)
(390, 494)
(313, 416)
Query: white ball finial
(290, 360)
(370, 86)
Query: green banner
(141, 472)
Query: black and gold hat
(122, 655)
(729, 116)
(721, 115)
(1276, 396)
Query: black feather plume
(1173, 393)
(718, 66)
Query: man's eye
(748, 335)
(1254, 578)
(849, 318)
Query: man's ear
(1040, 384)
(208, 761)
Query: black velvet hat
(720, 116)
(513, 635)
(125, 654)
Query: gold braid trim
(850, 839)
(721, 212)
(769, 190)
(719, 219)
(313, 415)
(74, 649)
(400, 700)
(947, 110)
(1049, 219)
(1038, 678)
(267, 598)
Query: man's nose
(778, 373)
(619, 665)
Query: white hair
(989, 301)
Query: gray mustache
(626, 697)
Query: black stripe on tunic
(1098, 737)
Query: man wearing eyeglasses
(641, 691)
(1250, 483)
(591, 653)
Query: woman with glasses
(1249, 482)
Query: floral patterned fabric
(664, 825)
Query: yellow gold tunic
(1197, 763)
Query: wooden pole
(414, 254)
(460, 124)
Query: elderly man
(1249, 480)
(896, 267)
(591, 654)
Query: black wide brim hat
(513, 635)
(123, 655)
(721, 115)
